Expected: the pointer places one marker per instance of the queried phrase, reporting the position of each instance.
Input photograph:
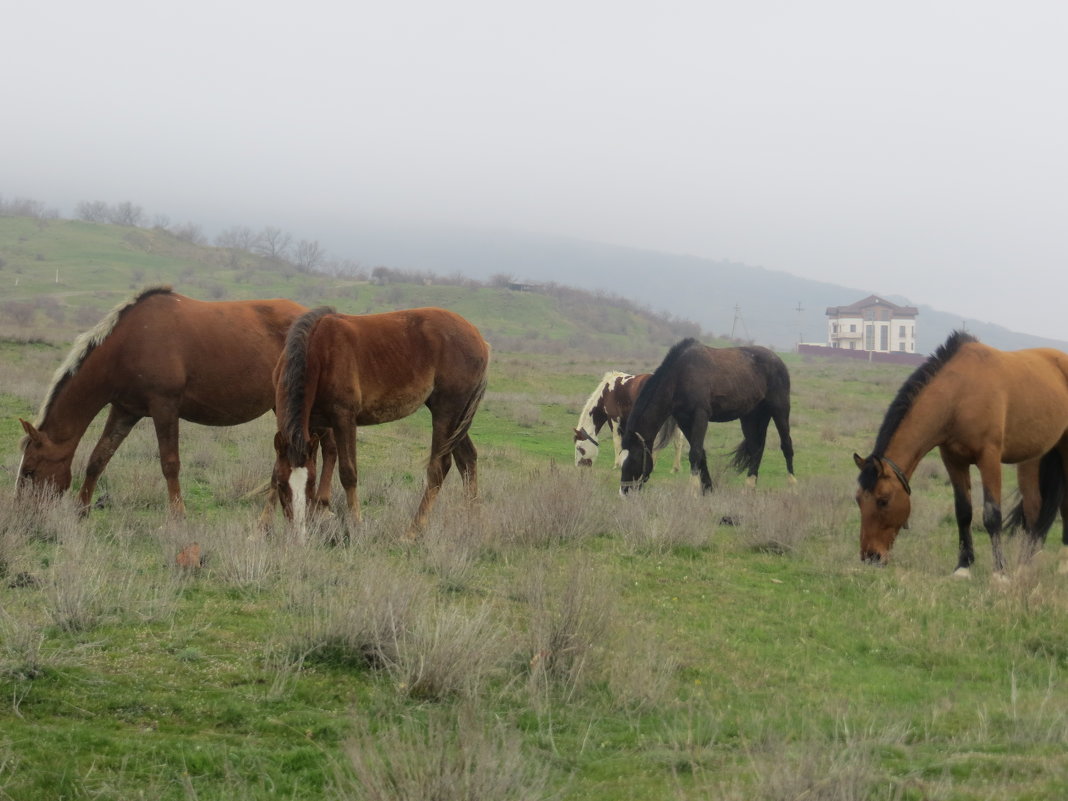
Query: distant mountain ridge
(723, 297)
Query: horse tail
(1052, 485)
(297, 392)
(467, 414)
(743, 459)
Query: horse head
(45, 463)
(883, 496)
(637, 462)
(586, 448)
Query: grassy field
(554, 641)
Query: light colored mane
(84, 344)
(585, 420)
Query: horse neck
(656, 413)
(921, 430)
(73, 408)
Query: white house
(873, 324)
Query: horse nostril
(873, 558)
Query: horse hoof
(1000, 579)
(962, 573)
(750, 482)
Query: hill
(61, 276)
(720, 296)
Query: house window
(852, 328)
(901, 332)
(901, 346)
(884, 338)
(869, 337)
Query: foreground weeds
(550, 640)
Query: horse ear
(859, 461)
(31, 432)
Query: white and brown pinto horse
(165, 356)
(339, 371)
(608, 405)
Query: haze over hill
(723, 297)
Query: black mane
(906, 396)
(655, 381)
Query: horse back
(383, 367)
(737, 380)
(212, 360)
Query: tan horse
(340, 371)
(979, 406)
(165, 356)
(608, 405)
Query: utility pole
(800, 331)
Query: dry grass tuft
(451, 756)
(572, 616)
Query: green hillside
(60, 276)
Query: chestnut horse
(979, 406)
(160, 355)
(609, 405)
(340, 371)
(696, 385)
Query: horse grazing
(696, 385)
(160, 355)
(340, 371)
(609, 404)
(980, 406)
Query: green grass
(759, 660)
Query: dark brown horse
(160, 355)
(609, 404)
(979, 406)
(338, 372)
(696, 385)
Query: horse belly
(389, 408)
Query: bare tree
(309, 255)
(238, 237)
(273, 243)
(126, 213)
(189, 232)
(92, 211)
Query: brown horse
(609, 404)
(340, 371)
(696, 385)
(165, 356)
(979, 406)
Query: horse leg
(695, 429)
(165, 419)
(436, 469)
(467, 463)
(960, 478)
(328, 446)
(345, 450)
(1027, 479)
(118, 426)
(782, 425)
(617, 442)
(989, 464)
(751, 451)
(680, 441)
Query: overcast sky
(909, 148)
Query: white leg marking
(962, 572)
(297, 481)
